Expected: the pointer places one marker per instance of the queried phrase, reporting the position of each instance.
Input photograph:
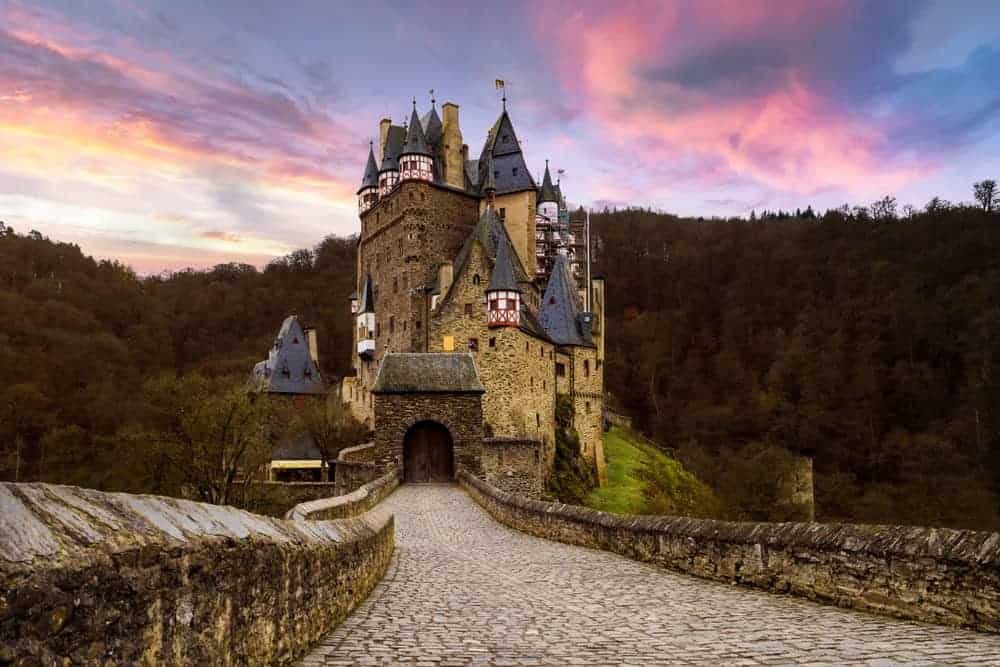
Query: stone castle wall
(461, 414)
(516, 369)
(106, 578)
(925, 574)
(514, 465)
(351, 504)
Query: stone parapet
(276, 498)
(107, 578)
(358, 453)
(348, 505)
(514, 465)
(925, 574)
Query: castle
(472, 281)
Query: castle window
(527, 346)
(538, 420)
(496, 173)
(395, 285)
(493, 342)
(560, 370)
(392, 324)
(475, 279)
(586, 368)
(418, 324)
(503, 213)
(505, 138)
(532, 383)
(514, 171)
(411, 196)
(404, 325)
(588, 406)
(542, 350)
(468, 309)
(422, 196)
(473, 345)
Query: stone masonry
(114, 579)
(465, 590)
(461, 414)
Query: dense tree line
(81, 341)
(865, 338)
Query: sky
(176, 133)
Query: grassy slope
(628, 456)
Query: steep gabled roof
(432, 125)
(423, 372)
(508, 166)
(394, 141)
(289, 368)
(367, 304)
(490, 232)
(548, 192)
(370, 179)
(502, 276)
(560, 308)
(416, 142)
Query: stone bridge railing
(927, 574)
(107, 578)
(351, 504)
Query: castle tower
(368, 192)
(503, 296)
(388, 175)
(415, 160)
(366, 320)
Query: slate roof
(409, 373)
(289, 368)
(370, 179)
(431, 123)
(394, 141)
(502, 276)
(416, 142)
(489, 231)
(367, 304)
(560, 308)
(296, 448)
(509, 168)
(548, 192)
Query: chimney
(451, 142)
(313, 348)
(383, 132)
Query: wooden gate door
(427, 454)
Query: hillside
(869, 343)
(644, 480)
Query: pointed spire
(560, 310)
(548, 192)
(503, 271)
(367, 296)
(370, 179)
(416, 142)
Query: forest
(866, 337)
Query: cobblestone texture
(465, 590)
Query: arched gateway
(428, 454)
(428, 415)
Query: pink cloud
(781, 133)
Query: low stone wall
(348, 505)
(276, 498)
(105, 578)
(350, 476)
(514, 465)
(358, 453)
(926, 574)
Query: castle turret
(415, 160)
(366, 320)
(388, 175)
(368, 192)
(503, 296)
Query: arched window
(475, 279)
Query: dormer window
(285, 372)
(308, 373)
(514, 171)
(505, 138)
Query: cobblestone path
(465, 590)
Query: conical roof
(502, 277)
(508, 162)
(548, 192)
(370, 179)
(559, 312)
(416, 142)
(367, 304)
(394, 141)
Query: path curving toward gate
(465, 590)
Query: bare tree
(987, 195)
(210, 436)
(331, 427)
